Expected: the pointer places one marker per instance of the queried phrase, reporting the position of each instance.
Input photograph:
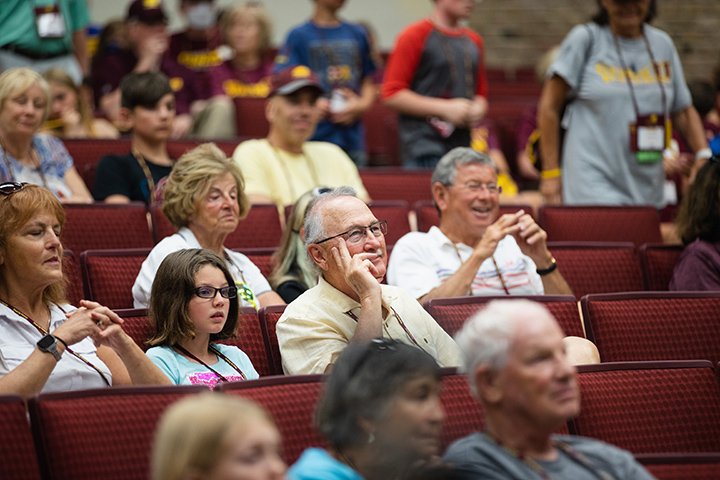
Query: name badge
(647, 137)
(49, 22)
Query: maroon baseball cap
(147, 11)
(292, 79)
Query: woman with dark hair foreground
(698, 225)
(380, 412)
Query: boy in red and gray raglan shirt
(436, 81)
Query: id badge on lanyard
(49, 21)
(648, 137)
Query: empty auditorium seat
(177, 147)
(651, 407)
(397, 184)
(654, 325)
(658, 262)
(18, 460)
(396, 213)
(105, 226)
(87, 152)
(381, 135)
(137, 325)
(109, 275)
(601, 224)
(427, 215)
(464, 413)
(261, 257)
(598, 267)
(103, 433)
(451, 313)
(73, 277)
(269, 317)
(682, 466)
(250, 117)
(161, 226)
(291, 402)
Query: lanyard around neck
(495, 264)
(217, 352)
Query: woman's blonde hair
(255, 12)
(16, 210)
(191, 178)
(291, 259)
(14, 81)
(59, 76)
(192, 433)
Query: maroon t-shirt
(225, 79)
(198, 55)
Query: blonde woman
(294, 272)
(216, 436)
(70, 116)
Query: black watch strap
(49, 344)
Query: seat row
(643, 326)
(107, 276)
(666, 413)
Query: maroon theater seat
(451, 313)
(291, 402)
(427, 215)
(261, 257)
(110, 274)
(18, 460)
(682, 466)
(73, 277)
(601, 224)
(396, 213)
(658, 262)
(464, 414)
(87, 152)
(590, 267)
(397, 184)
(106, 226)
(654, 325)
(103, 433)
(269, 317)
(651, 407)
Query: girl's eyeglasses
(210, 292)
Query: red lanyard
(67, 348)
(350, 314)
(217, 352)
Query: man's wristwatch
(49, 344)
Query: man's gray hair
(486, 337)
(313, 225)
(447, 167)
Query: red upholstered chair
(86, 154)
(261, 257)
(176, 148)
(654, 325)
(250, 117)
(427, 215)
(451, 313)
(396, 213)
(681, 466)
(381, 135)
(397, 184)
(269, 317)
(18, 460)
(601, 224)
(110, 274)
(651, 407)
(463, 412)
(137, 325)
(106, 226)
(161, 226)
(103, 433)
(73, 276)
(598, 267)
(657, 262)
(291, 402)
(260, 229)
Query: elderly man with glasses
(474, 251)
(347, 244)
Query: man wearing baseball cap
(284, 165)
(148, 39)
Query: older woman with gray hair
(26, 155)
(380, 412)
(204, 199)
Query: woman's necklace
(34, 161)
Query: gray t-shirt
(476, 456)
(598, 165)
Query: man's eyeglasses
(210, 292)
(476, 187)
(356, 235)
(8, 188)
